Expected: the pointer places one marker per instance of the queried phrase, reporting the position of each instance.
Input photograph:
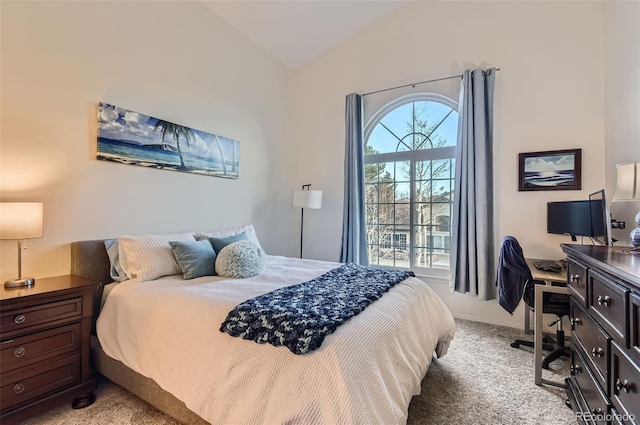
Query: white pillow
(249, 230)
(149, 257)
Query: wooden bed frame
(89, 259)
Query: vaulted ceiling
(299, 31)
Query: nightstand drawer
(22, 351)
(21, 318)
(26, 383)
(608, 305)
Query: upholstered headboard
(89, 259)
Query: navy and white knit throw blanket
(300, 316)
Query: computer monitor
(569, 218)
(600, 218)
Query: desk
(548, 278)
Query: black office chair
(516, 282)
(557, 304)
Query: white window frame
(446, 152)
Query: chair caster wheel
(515, 345)
(568, 404)
(545, 365)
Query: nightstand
(45, 333)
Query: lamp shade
(20, 220)
(307, 199)
(627, 182)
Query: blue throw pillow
(219, 243)
(195, 258)
(116, 272)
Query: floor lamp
(628, 189)
(19, 221)
(306, 198)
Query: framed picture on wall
(550, 170)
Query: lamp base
(20, 282)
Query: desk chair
(515, 282)
(557, 304)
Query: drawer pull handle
(19, 352)
(574, 278)
(18, 388)
(575, 369)
(623, 385)
(575, 321)
(19, 319)
(597, 352)
(603, 300)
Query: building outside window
(409, 182)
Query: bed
(160, 339)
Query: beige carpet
(482, 380)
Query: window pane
(372, 234)
(381, 141)
(403, 189)
(372, 213)
(402, 215)
(422, 257)
(371, 192)
(387, 212)
(441, 189)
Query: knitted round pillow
(241, 259)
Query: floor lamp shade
(307, 199)
(628, 189)
(20, 220)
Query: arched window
(409, 183)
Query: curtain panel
(354, 237)
(472, 244)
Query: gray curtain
(472, 245)
(354, 238)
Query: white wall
(622, 101)
(549, 95)
(173, 60)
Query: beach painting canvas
(132, 138)
(551, 170)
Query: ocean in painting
(128, 137)
(549, 178)
(133, 154)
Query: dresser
(604, 386)
(44, 346)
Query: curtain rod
(415, 84)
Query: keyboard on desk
(547, 265)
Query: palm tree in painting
(224, 166)
(177, 132)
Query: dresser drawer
(26, 383)
(608, 305)
(577, 281)
(624, 383)
(634, 326)
(593, 341)
(22, 318)
(22, 351)
(598, 406)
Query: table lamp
(20, 220)
(628, 189)
(306, 198)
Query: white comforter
(364, 373)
